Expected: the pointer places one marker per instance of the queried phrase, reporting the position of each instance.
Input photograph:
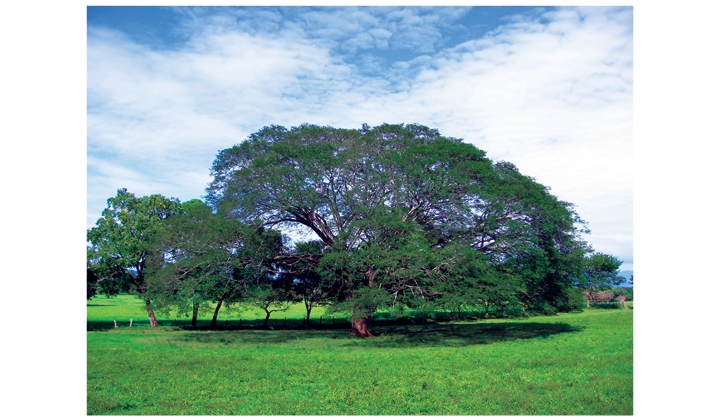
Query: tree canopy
(406, 215)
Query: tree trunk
(359, 327)
(308, 308)
(196, 308)
(217, 309)
(266, 318)
(524, 308)
(139, 282)
(151, 315)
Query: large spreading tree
(405, 215)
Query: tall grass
(569, 364)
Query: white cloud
(344, 30)
(555, 98)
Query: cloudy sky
(549, 89)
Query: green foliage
(121, 240)
(202, 258)
(269, 300)
(599, 273)
(601, 270)
(194, 261)
(531, 366)
(576, 299)
(301, 280)
(403, 213)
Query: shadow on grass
(461, 334)
(378, 320)
(396, 336)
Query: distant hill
(626, 275)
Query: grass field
(101, 311)
(569, 364)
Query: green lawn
(569, 364)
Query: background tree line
(402, 218)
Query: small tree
(194, 260)
(600, 272)
(300, 280)
(121, 242)
(269, 299)
(205, 257)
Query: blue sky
(549, 89)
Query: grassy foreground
(569, 364)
